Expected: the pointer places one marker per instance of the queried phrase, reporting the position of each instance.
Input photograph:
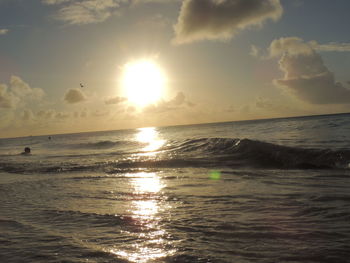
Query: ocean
(274, 190)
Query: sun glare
(143, 82)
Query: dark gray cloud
(305, 74)
(74, 96)
(222, 19)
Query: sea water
(254, 191)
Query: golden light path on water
(150, 136)
(146, 210)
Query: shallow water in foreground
(177, 216)
(208, 195)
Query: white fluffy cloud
(7, 99)
(222, 19)
(22, 89)
(18, 92)
(305, 74)
(74, 96)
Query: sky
(63, 63)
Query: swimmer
(26, 151)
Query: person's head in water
(26, 150)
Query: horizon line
(201, 123)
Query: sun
(143, 82)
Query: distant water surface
(254, 191)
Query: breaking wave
(203, 152)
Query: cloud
(305, 74)
(6, 119)
(254, 51)
(222, 19)
(276, 107)
(245, 109)
(130, 109)
(333, 46)
(18, 92)
(74, 96)
(62, 115)
(27, 115)
(7, 99)
(115, 100)
(296, 45)
(175, 103)
(292, 45)
(84, 11)
(231, 109)
(154, 1)
(54, 2)
(100, 113)
(3, 31)
(22, 89)
(45, 114)
(178, 99)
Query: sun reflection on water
(145, 209)
(147, 183)
(150, 136)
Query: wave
(89, 219)
(103, 144)
(106, 144)
(98, 145)
(251, 153)
(204, 152)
